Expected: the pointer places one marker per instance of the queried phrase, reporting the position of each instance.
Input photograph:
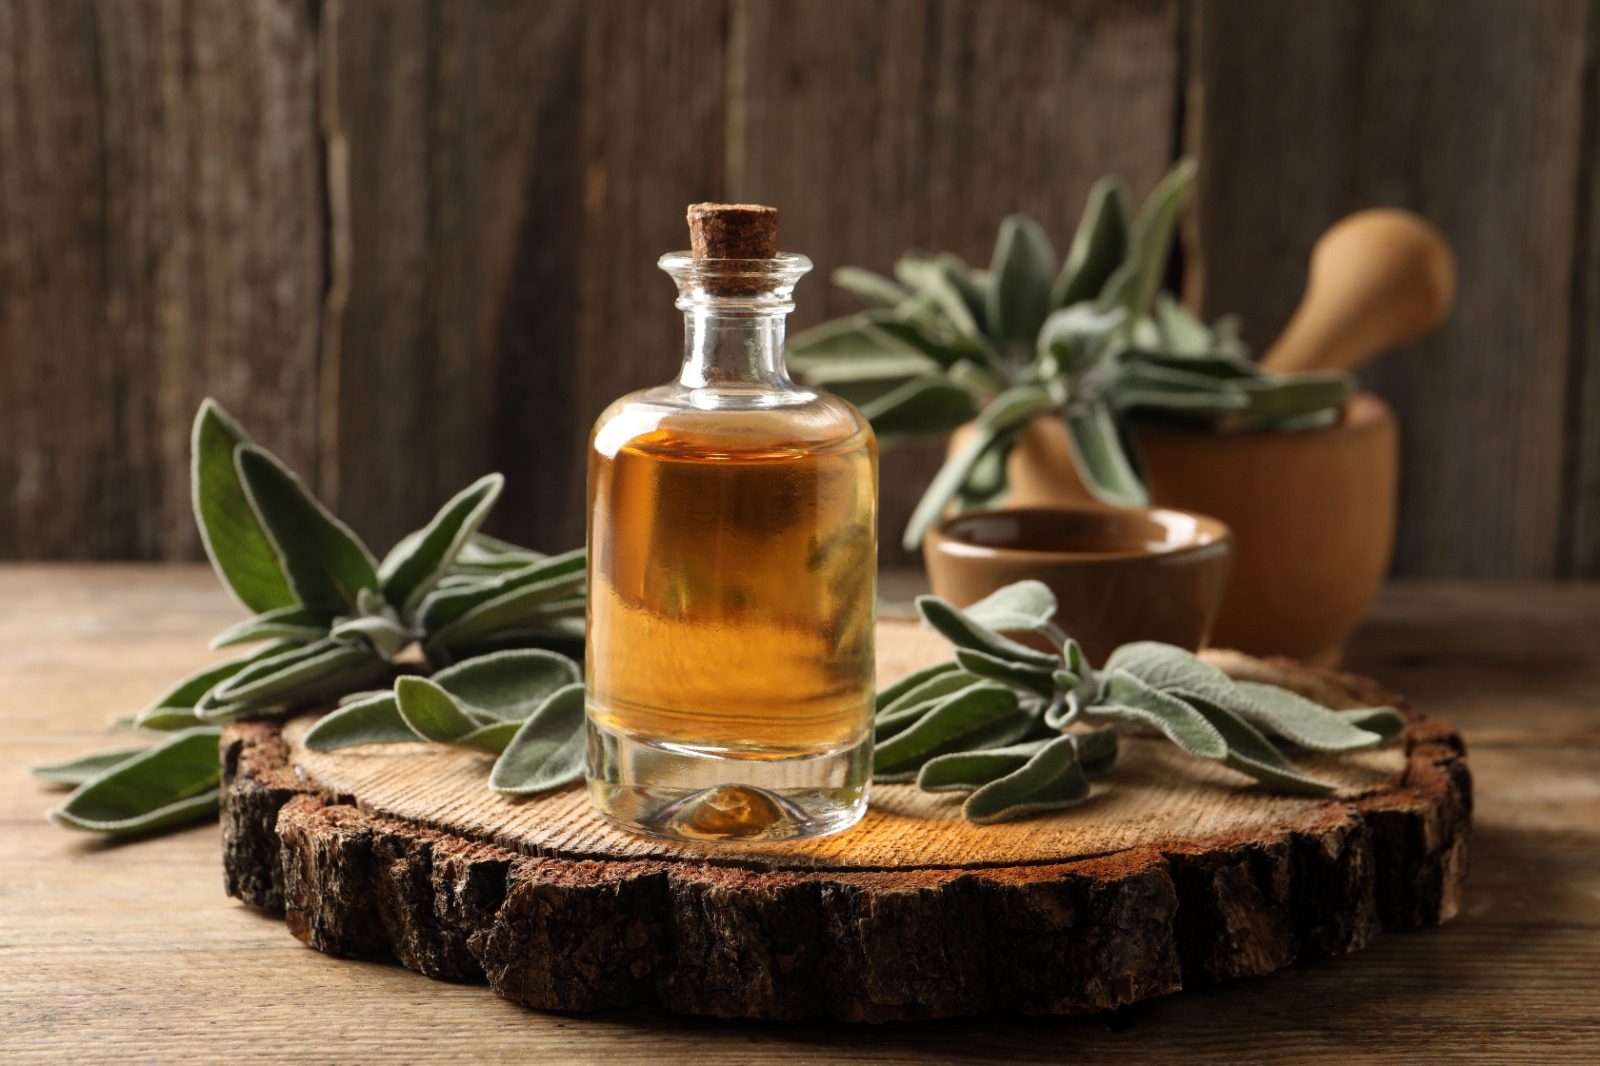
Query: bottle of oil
(732, 570)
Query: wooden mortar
(1312, 512)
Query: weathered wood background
(408, 242)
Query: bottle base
(710, 794)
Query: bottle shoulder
(671, 418)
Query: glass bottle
(732, 572)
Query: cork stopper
(733, 231)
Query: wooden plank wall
(408, 242)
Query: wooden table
(116, 952)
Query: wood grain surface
(411, 242)
(127, 952)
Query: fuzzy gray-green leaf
(1050, 780)
(75, 772)
(1251, 753)
(169, 784)
(372, 720)
(960, 715)
(887, 696)
(962, 631)
(1099, 245)
(431, 712)
(547, 750)
(1022, 606)
(294, 623)
(326, 563)
(960, 771)
(410, 572)
(870, 287)
(912, 707)
(1310, 725)
(1134, 284)
(382, 634)
(508, 685)
(922, 406)
(1019, 281)
(554, 577)
(240, 551)
(1033, 679)
(1127, 698)
(1102, 458)
(313, 672)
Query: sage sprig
(1023, 730)
(331, 619)
(1093, 343)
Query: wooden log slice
(1176, 872)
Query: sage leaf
(548, 749)
(410, 571)
(524, 606)
(1076, 338)
(859, 348)
(1097, 750)
(240, 551)
(508, 685)
(1181, 333)
(1019, 281)
(1099, 245)
(375, 719)
(431, 712)
(1310, 725)
(910, 709)
(294, 623)
(962, 631)
(1129, 699)
(1134, 284)
(924, 405)
(1102, 457)
(1036, 680)
(167, 719)
(871, 288)
(932, 277)
(1167, 667)
(492, 738)
(189, 691)
(960, 771)
(938, 683)
(988, 482)
(1022, 606)
(555, 577)
(1289, 395)
(1011, 409)
(959, 715)
(327, 565)
(887, 696)
(169, 784)
(383, 635)
(1253, 754)
(75, 772)
(1050, 780)
(316, 671)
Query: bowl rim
(938, 540)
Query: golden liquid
(732, 575)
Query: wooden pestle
(1378, 279)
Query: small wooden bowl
(1118, 574)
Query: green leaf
(508, 685)
(1019, 289)
(522, 607)
(908, 709)
(293, 623)
(547, 750)
(960, 630)
(1293, 395)
(1311, 725)
(416, 564)
(1181, 333)
(1022, 606)
(1098, 246)
(1077, 338)
(170, 784)
(871, 288)
(75, 772)
(923, 406)
(1012, 408)
(988, 482)
(858, 348)
(961, 771)
(1134, 284)
(431, 712)
(327, 564)
(958, 716)
(492, 738)
(1013, 674)
(1102, 458)
(238, 547)
(555, 577)
(314, 672)
(1129, 699)
(933, 278)
(1251, 753)
(372, 720)
(189, 691)
(384, 636)
(1050, 780)
(887, 697)
(1146, 386)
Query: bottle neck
(733, 348)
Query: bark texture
(861, 945)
